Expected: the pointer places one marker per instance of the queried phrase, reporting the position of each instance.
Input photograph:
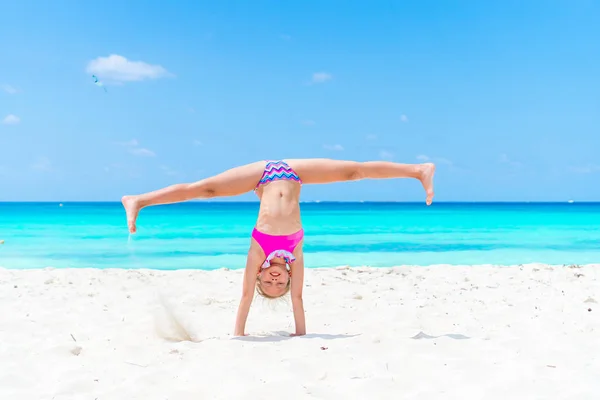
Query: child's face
(274, 279)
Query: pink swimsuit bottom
(278, 246)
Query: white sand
(494, 333)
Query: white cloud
(197, 143)
(308, 122)
(505, 159)
(9, 89)
(43, 164)
(436, 160)
(11, 119)
(333, 147)
(118, 69)
(168, 170)
(142, 152)
(321, 77)
(135, 150)
(385, 155)
(403, 118)
(585, 169)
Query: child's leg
(323, 170)
(232, 182)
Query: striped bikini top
(276, 171)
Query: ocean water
(208, 235)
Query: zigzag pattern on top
(278, 170)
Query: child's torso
(279, 212)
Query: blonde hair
(261, 292)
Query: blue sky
(504, 96)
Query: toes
(429, 199)
(131, 226)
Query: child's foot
(132, 208)
(426, 178)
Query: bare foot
(132, 208)
(426, 179)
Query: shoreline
(339, 267)
(400, 332)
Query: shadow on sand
(280, 336)
(423, 335)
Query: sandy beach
(439, 332)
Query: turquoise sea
(209, 235)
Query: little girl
(275, 263)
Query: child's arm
(296, 291)
(252, 264)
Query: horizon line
(319, 202)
